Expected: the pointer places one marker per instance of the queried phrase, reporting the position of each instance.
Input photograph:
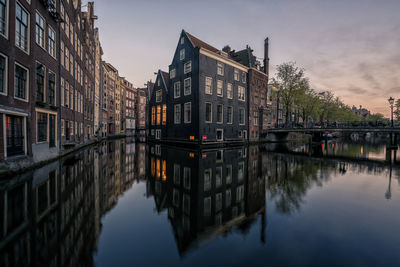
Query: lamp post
(391, 102)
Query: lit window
(187, 86)
(153, 115)
(229, 91)
(164, 114)
(208, 87)
(158, 115)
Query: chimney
(266, 58)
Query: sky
(351, 47)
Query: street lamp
(391, 102)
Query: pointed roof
(199, 43)
(165, 76)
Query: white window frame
(28, 28)
(182, 54)
(242, 90)
(186, 105)
(6, 20)
(158, 96)
(187, 67)
(229, 120)
(172, 74)
(220, 68)
(236, 75)
(176, 121)
(5, 75)
(177, 88)
(222, 114)
(220, 88)
(222, 135)
(189, 81)
(244, 77)
(229, 91)
(158, 134)
(27, 82)
(43, 45)
(205, 110)
(244, 116)
(210, 80)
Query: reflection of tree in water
(291, 177)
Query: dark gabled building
(213, 96)
(157, 121)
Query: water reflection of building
(52, 216)
(207, 193)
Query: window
(239, 193)
(187, 67)
(158, 95)
(228, 198)
(177, 174)
(51, 88)
(15, 137)
(240, 171)
(241, 93)
(243, 77)
(208, 88)
(229, 115)
(255, 118)
(3, 73)
(220, 68)
(220, 87)
(218, 201)
(188, 112)
(207, 206)
(182, 54)
(182, 40)
(158, 115)
(241, 116)
(62, 53)
(177, 89)
(3, 18)
(218, 177)
(186, 177)
(228, 175)
(220, 134)
(177, 114)
(158, 135)
(208, 112)
(153, 115)
(164, 114)
(21, 82)
(236, 75)
(39, 30)
(41, 127)
(172, 73)
(220, 113)
(229, 91)
(207, 179)
(21, 28)
(187, 86)
(40, 70)
(51, 42)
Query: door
(15, 135)
(52, 130)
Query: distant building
(361, 112)
(130, 108)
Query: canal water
(119, 203)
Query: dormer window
(182, 40)
(182, 54)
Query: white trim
(27, 83)
(205, 115)
(55, 42)
(28, 46)
(222, 59)
(189, 63)
(184, 112)
(177, 83)
(44, 81)
(4, 136)
(222, 136)
(244, 116)
(44, 30)
(7, 20)
(48, 112)
(180, 114)
(6, 75)
(222, 88)
(190, 86)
